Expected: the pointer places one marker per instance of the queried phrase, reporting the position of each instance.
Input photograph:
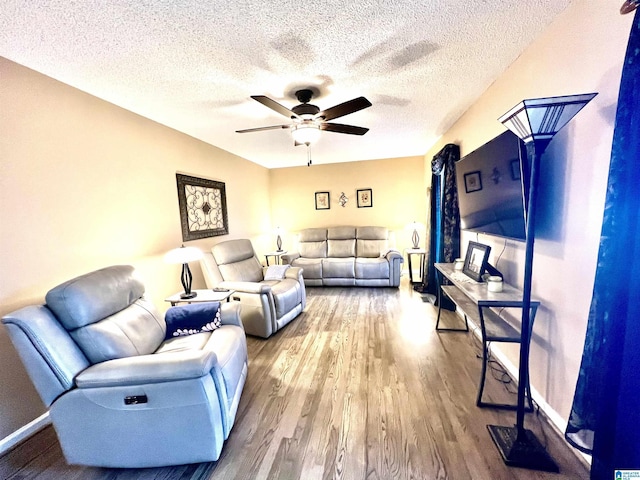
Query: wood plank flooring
(360, 386)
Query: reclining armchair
(268, 303)
(120, 393)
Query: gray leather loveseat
(346, 256)
(121, 394)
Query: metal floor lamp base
(525, 452)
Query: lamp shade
(183, 255)
(541, 118)
(307, 132)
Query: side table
(276, 255)
(206, 295)
(420, 253)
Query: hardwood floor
(360, 386)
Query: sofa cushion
(371, 241)
(341, 233)
(370, 248)
(136, 330)
(312, 235)
(312, 267)
(372, 233)
(91, 297)
(248, 270)
(232, 251)
(341, 248)
(313, 249)
(338, 267)
(370, 268)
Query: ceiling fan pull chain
(308, 154)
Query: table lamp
(184, 255)
(278, 239)
(415, 238)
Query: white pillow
(275, 272)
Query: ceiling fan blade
(344, 108)
(260, 129)
(340, 128)
(273, 105)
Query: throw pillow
(276, 272)
(192, 318)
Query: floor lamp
(535, 121)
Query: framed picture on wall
(365, 198)
(515, 169)
(323, 201)
(203, 207)
(472, 181)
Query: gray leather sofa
(346, 256)
(267, 304)
(119, 394)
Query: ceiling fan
(308, 120)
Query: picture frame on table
(203, 207)
(323, 201)
(476, 260)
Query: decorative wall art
(515, 169)
(365, 198)
(322, 201)
(343, 199)
(472, 181)
(203, 207)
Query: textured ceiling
(193, 64)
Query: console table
(479, 305)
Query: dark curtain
(605, 417)
(444, 234)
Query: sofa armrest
(287, 258)
(293, 272)
(246, 287)
(230, 314)
(152, 368)
(393, 254)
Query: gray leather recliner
(119, 394)
(267, 305)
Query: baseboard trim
(10, 441)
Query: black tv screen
(490, 188)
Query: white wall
(582, 51)
(399, 196)
(85, 184)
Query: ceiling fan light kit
(305, 133)
(308, 120)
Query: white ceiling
(193, 64)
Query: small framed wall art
(515, 169)
(203, 207)
(323, 201)
(365, 198)
(472, 182)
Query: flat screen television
(491, 188)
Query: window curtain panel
(444, 233)
(605, 417)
